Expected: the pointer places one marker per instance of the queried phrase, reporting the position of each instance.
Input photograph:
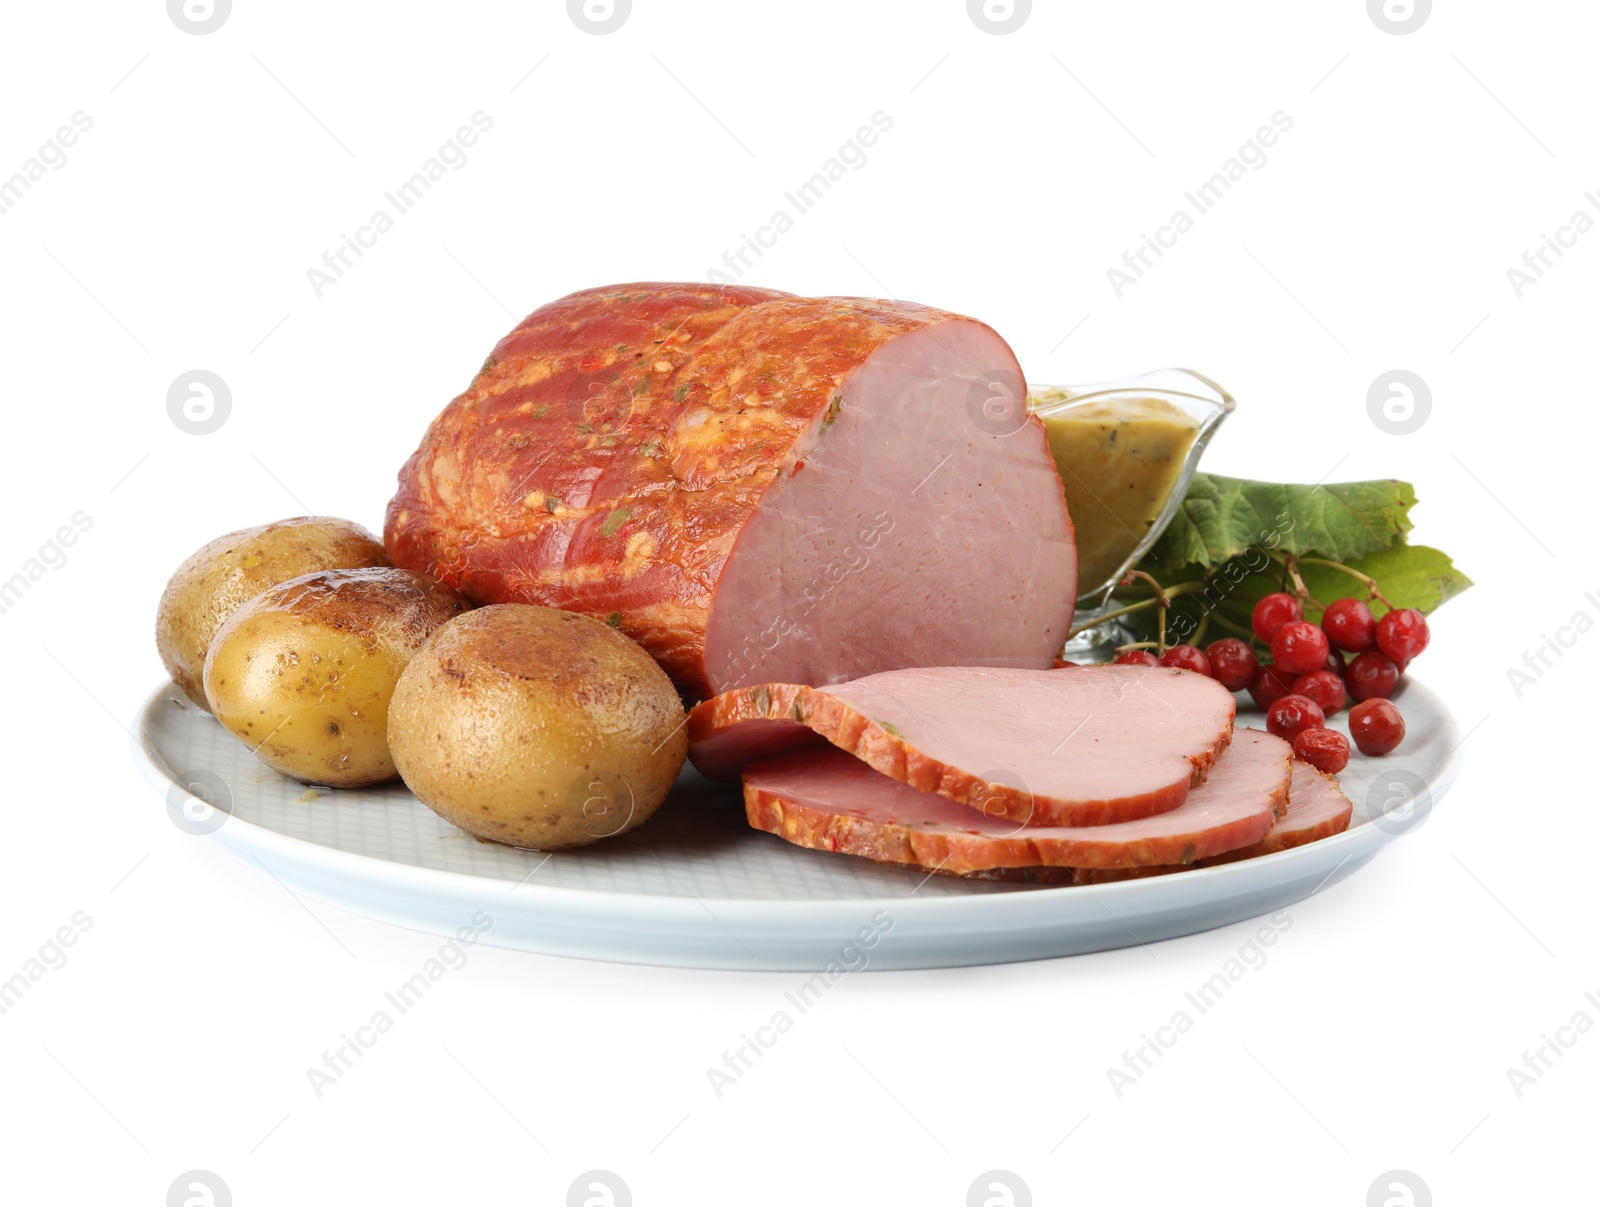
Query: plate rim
(364, 870)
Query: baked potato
(537, 727)
(224, 573)
(303, 672)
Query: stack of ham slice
(1075, 775)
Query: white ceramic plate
(695, 887)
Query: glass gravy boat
(1127, 451)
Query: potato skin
(537, 728)
(303, 673)
(224, 573)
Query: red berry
(1376, 726)
(1325, 687)
(1268, 685)
(1403, 634)
(1232, 663)
(1272, 612)
(1136, 658)
(1189, 658)
(1349, 625)
(1063, 662)
(1335, 662)
(1299, 648)
(1371, 675)
(1292, 714)
(1324, 749)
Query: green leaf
(1411, 576)
(1222, 518)
(1231, 535)
(615, 520)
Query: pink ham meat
(753, 486)
(828, 800)
(1072, 747)
(1318, 808)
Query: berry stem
(1161, 597)
(1160, 593)
(1163, 594)
(1123, 611)
(1371, 583)
(1291, 566)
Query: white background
(1019, 168)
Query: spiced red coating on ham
(1318, 809)
(751, 485)
(828, 800)
(1083, 746)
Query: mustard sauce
(1119, 460)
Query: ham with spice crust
(1318, 808)
(756, 487)
(829, 801)
(1079, 746)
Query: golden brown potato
(302, 673)
(537, 727)
(224, 573)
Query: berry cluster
(1307, 678)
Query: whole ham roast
(754, 486)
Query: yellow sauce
(1119, 460)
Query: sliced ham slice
(830, 801)
(1318, 808)
(1078, 746)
